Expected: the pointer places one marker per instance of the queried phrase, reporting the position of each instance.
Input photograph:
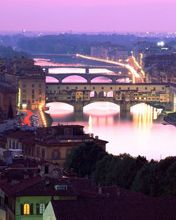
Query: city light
(127, 66)
(161, 44)
(42, 115)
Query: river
(139, 133)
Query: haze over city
(88, 16)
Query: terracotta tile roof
(127, 206)
(18, 134)
(37, 186)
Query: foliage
(82, 160)
(145, 180)
(137, 174)
(119, 170)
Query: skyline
(95, 16)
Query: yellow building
(31, 92)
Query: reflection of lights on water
(101, 108)
(59, 108)
(90, 128)
(143, 115)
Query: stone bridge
(87, 68)
(89, 77)
(125, 95)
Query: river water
(141, 132)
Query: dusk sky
(88, 15)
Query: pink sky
(88, 15)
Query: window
(43, 153)
(26, 209)
(40, 208)
(55, 155)
(38, 151)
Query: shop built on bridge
(126, 95)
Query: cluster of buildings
(110, 52)
(161, 68)
(33, 190)
(51, 144)
(22, 86)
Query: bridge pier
(87, 70)
(78, 107)
(46, 70)
(125, 107)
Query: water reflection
(143, 116)
(138, 133)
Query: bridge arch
(59, 108)
(100, 79)
(123, 80)
(101, 108)
(51, 79)
(74, 78)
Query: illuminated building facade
(31, 92)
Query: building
(51, 144)
(111, 203)
(31, 90)
(99, 52)
(26, 197)
(8, 97)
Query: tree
(163, 174)
(170, 180)
(118, 170)
(145, 180)
(82, 160)
(103, 167)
